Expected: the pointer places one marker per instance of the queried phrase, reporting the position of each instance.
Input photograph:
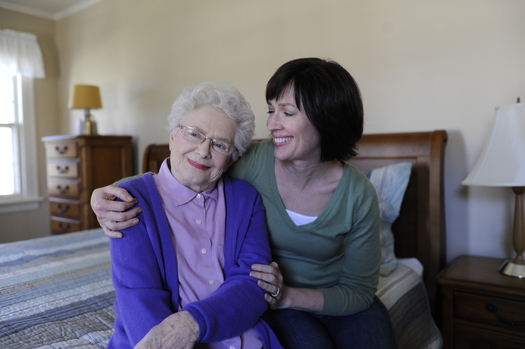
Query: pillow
(390, 183)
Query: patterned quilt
(56, 293)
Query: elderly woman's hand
(113, 215)
(177, 331)
(271, 280)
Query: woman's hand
(113, 215)
(271, 280)
(280, 296)
(177, 331)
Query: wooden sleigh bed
(56, 292)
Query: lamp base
(510, 268)
(87, 127)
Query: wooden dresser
(76, 165)
(482, 308)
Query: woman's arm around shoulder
(113, 215)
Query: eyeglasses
(195, 136)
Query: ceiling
(50, 9)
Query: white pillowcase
(390, 183)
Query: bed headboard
(419, 230)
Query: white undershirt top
(300, 219)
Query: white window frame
(26, 152)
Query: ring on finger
(276, 293)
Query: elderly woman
(186, 265)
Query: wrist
(306, 299)
(288, 298)
(193, 326)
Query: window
(18, 160)
(8, 180)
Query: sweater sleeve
(238, 303)
(360, 271)
(142, 298)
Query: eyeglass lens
(196, 136)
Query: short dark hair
(330, 98)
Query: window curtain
(20, 53)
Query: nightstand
(482, 308)
(76, 165)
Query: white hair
(223, 97)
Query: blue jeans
(368, 329)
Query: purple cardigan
(145, 277)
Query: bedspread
(56, 292)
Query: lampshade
(502, 162)
(85, 96)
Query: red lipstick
(197, 165)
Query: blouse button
(203, 251)
(199, 196)
(198, 221)
(211, 282)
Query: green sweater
(338, 253)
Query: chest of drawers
(482, 308)
(76, 165)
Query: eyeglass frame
(212, 140)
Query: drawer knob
(62, 190)
(493, 308)
(63, 209)
(62, 228)
(61, 150)
(62, 170)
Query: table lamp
(85, 97)
(502, 164)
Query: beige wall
(30, 224)
(421, 65)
